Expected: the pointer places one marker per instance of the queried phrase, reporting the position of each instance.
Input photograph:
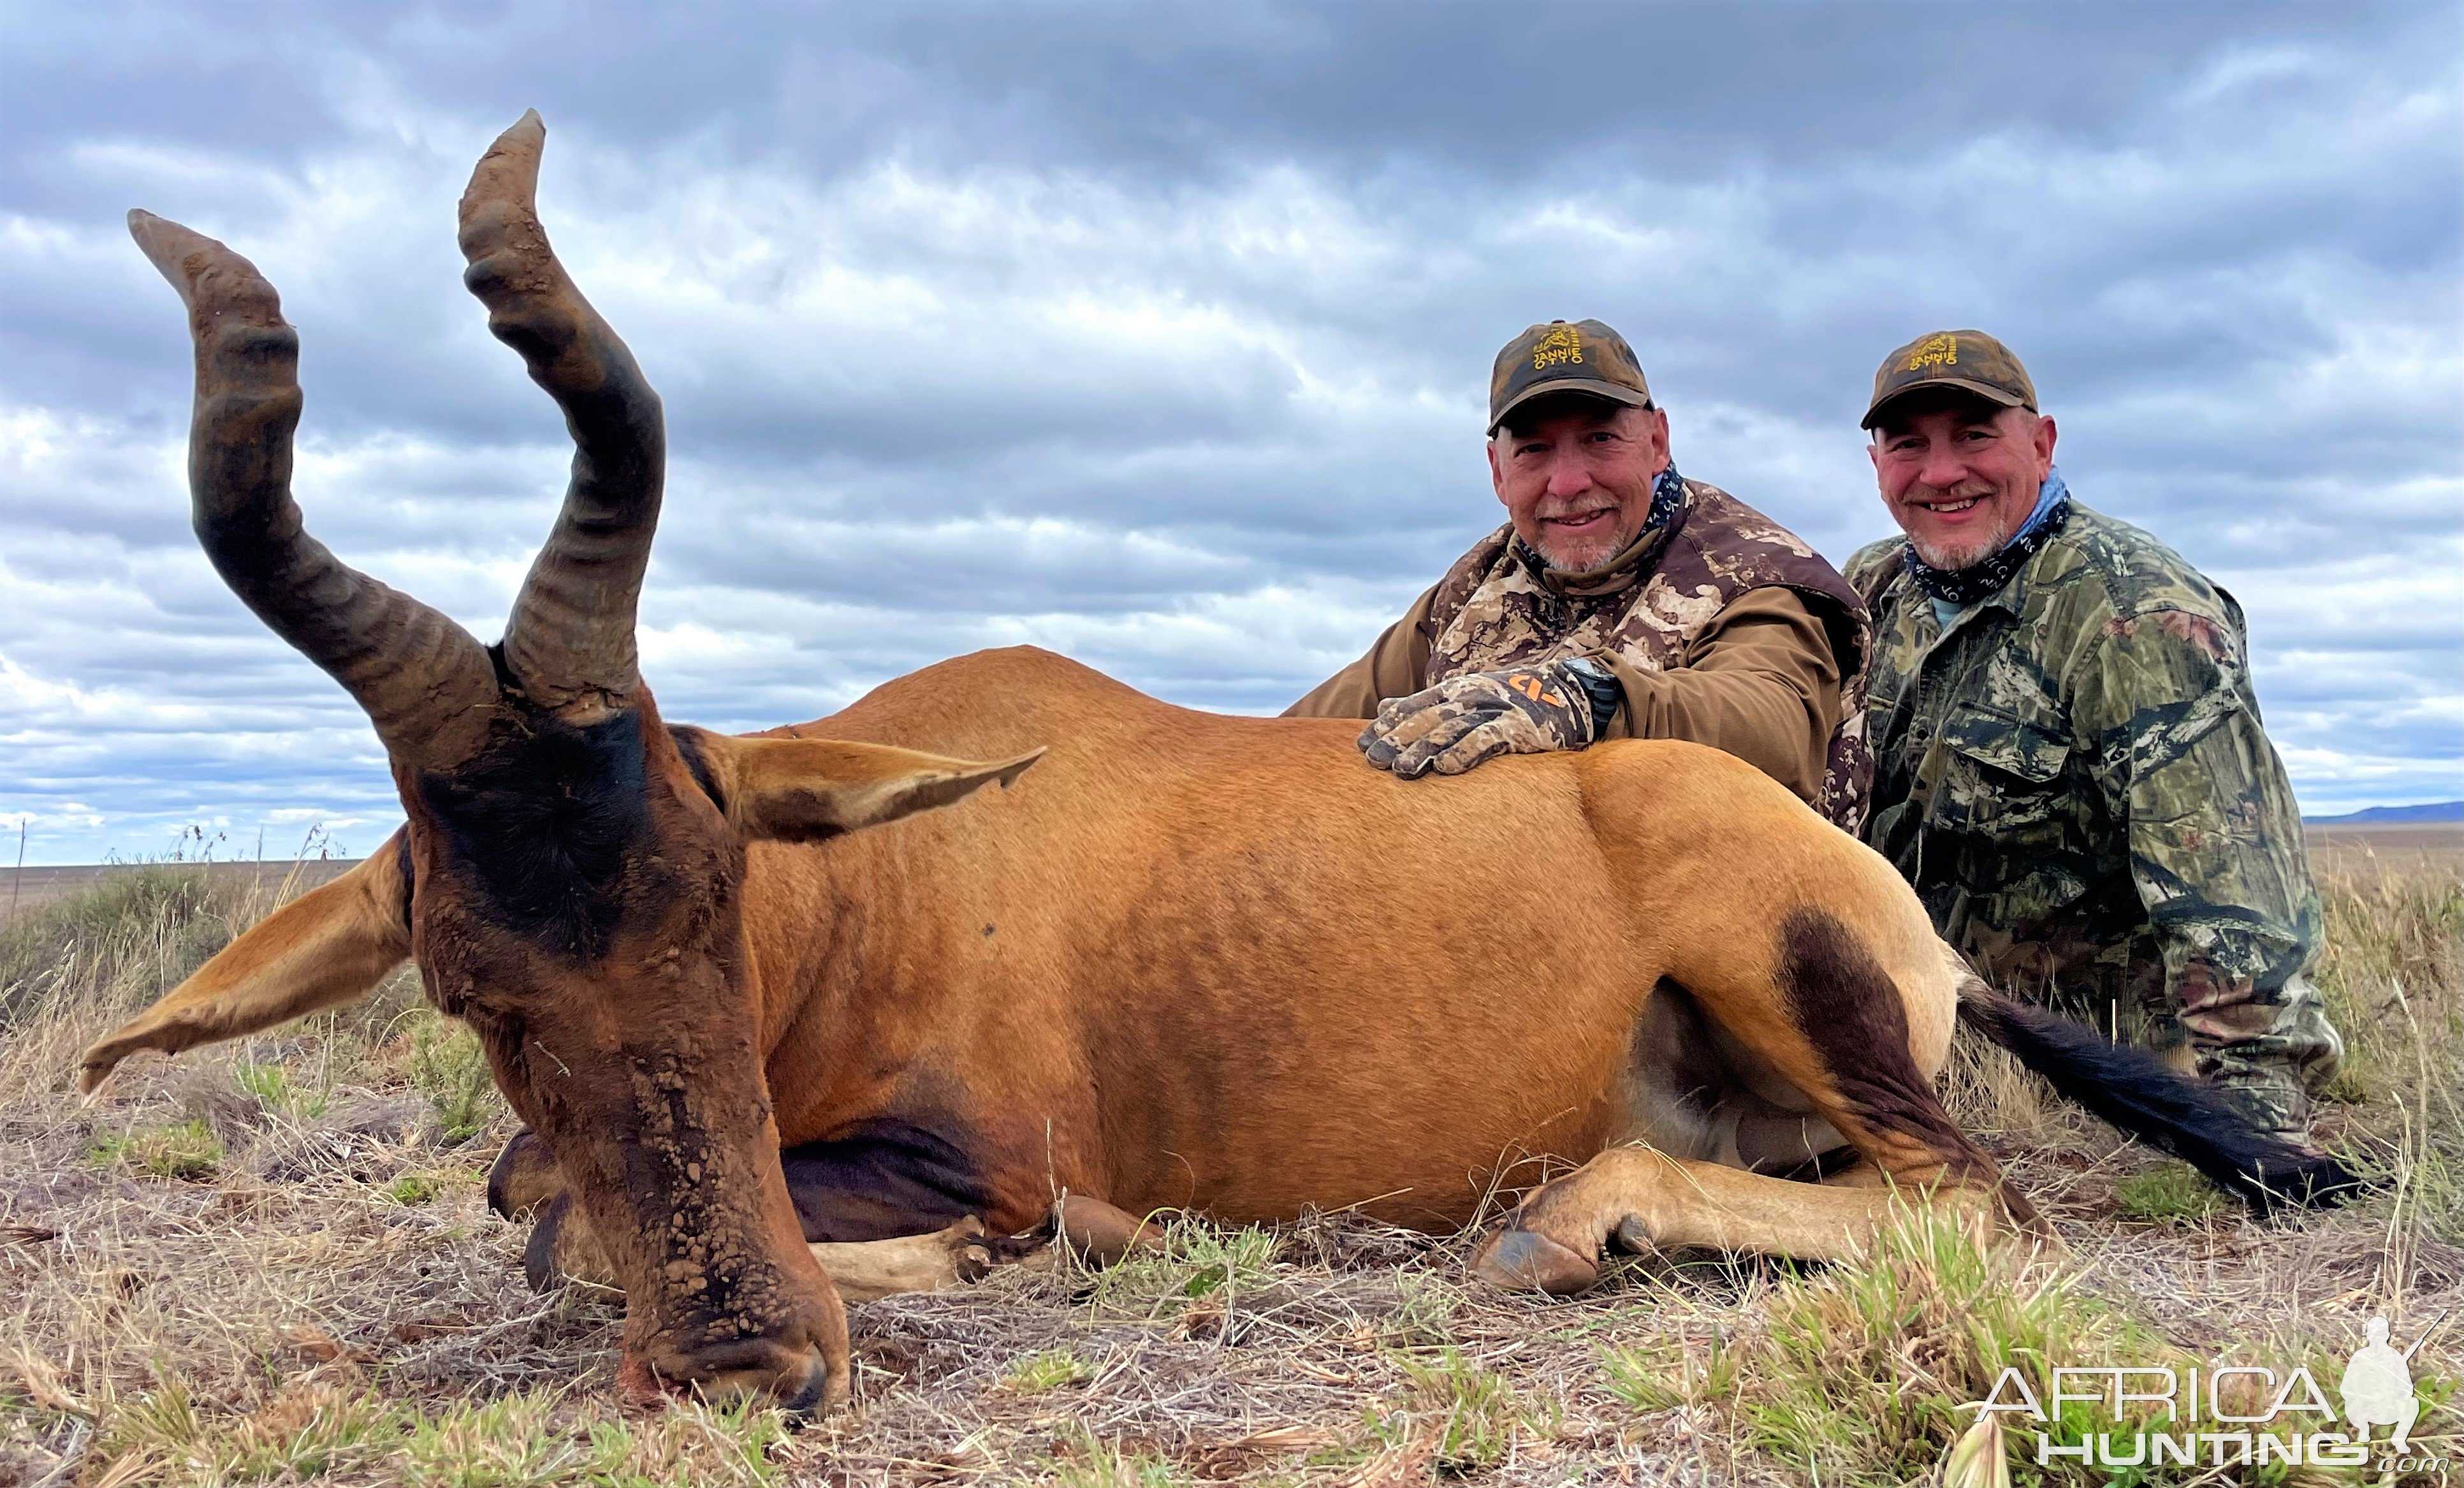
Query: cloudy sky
(1160, 336)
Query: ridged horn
(425, 683)
(571, 631)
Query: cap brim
(1960, 384)
(1605, 392)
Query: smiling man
(1619, 601)
(2069, 763)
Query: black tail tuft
(2143, 1097)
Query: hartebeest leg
(1646, 1199)
(1818, 1011)
(562, 1249)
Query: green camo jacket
(2075, 778)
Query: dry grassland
(272, 1262)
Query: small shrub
(189, 1149)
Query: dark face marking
(1849, 1010)
(544, 824)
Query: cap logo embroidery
(1934, 351)
(1562, 343)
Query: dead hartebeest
(1187, 960)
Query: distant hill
(2381, 816)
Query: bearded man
(1619, 601)
(2069, 762)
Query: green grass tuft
(270, 1084)
(1665, 1376)
(448, 1067)
(414, 1188)
(1049, 1369)
(2173, 1192)
(1863, 1367)
(1474, 1412)
(1196, 1261)
(188, 1150)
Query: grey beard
(1571, 563)
(1952, 560)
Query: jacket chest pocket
(2004, 774)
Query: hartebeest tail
(2142, 1096)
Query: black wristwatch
(1600, 685)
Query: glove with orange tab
(1481, 715)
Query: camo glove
(1481, 715)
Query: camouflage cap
(1970, 360)
(1585, 356)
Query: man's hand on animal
(1481, 715)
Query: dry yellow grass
(272, 1264)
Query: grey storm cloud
(1159, 336)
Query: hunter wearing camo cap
(1619, 600)
(2068, 759)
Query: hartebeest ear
(803, 790)
(330, 946)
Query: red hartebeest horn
(425, 683)
(570, 636)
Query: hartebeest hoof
(563, 1249)
(1521, 1259)
(523, 1177)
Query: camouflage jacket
(1499, 607)
(2075, 777)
